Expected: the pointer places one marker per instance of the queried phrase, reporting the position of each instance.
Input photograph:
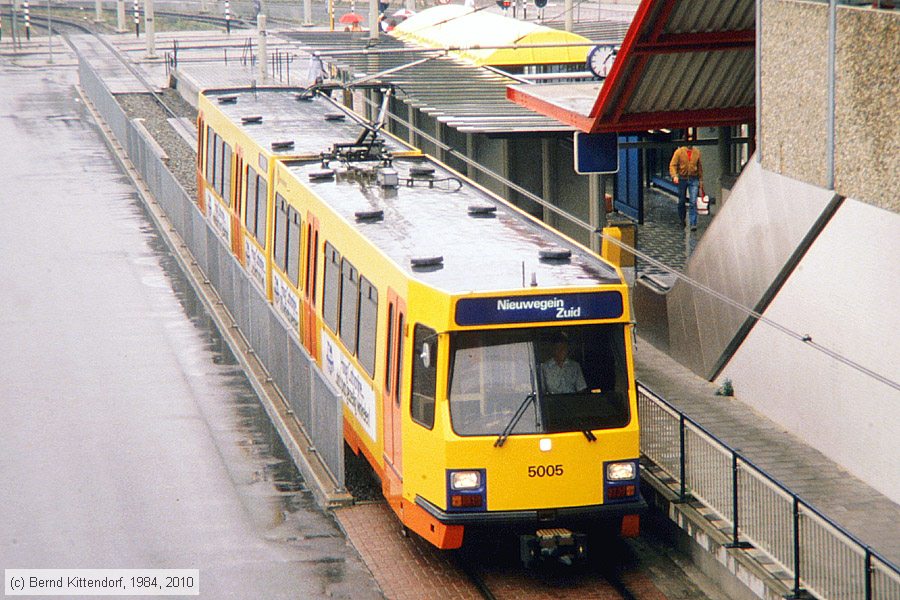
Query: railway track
(501, 580)
(59, 23)
(496, 575)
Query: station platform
(857, 507)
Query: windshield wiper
(532, 397)
(501, 439)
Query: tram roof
(481, 253)
(462, 26)
(284, 118)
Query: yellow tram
(484, 360)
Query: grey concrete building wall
(794, 107)
(572, 193)
(741, 255)
(867, 110)
(428, 126)
(525, 169)
(457, 141)
(490, 153)
(836, 295)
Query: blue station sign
(498, 310)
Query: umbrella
(404, 13)
(350, 18)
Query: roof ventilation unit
(285, 145)
(482, 210)
(304, 96)
(555, 254)
(421, 171)
(227, 99)
(367, 216)
(427, 262)
(252, 120)
(321, 175)
(335, 117)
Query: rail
(821, 557)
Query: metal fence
(821, 558)
(315, 402)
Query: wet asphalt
(129, 437)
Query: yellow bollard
(615, 253)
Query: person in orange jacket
(686, 170)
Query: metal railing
(316, 402)
(820, 557)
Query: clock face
(600, 59)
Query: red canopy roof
(683, 63)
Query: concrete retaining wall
(794, 107)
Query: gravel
(360, 480)
(182, 156)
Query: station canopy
(458, 26)
(683, 63)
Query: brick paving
(409, 568)
(406, 568)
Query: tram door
(309, 288)
(201, 157)
(237, 190)
(392, 381)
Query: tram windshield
(559, 379)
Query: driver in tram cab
(561, 374)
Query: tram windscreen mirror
(426, 355)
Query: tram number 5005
(545, 471)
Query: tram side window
(394, 364)
(349, 305)
(282, 217)
(293, 247)
(250, 183)
(401, 324)
(332, 286)
(262, 202)
(225, 185)
(424, 375)
(368, 321)
(217, 168)
(389, 357)
(312, 265)
(211, 146)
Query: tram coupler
(558, 544)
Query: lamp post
(49, 34)
(120, 16)
(150, 29)
(374, 25)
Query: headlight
(465, 480)
(620, 471)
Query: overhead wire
(804, 338)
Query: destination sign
(535, 309)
